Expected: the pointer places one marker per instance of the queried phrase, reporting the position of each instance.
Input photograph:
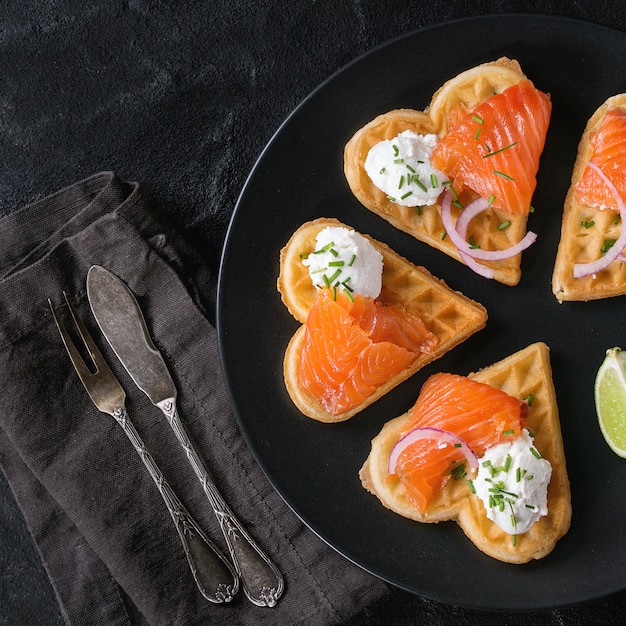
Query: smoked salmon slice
(608, 152)
(352, 346)
(476, 412)
(494, 149)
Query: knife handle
(213, 574)
(261, 581)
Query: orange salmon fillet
(608, 147)
(481, 415)
(352, 348)
(494, 150)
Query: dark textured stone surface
(182, 97)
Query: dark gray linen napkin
(103, 532)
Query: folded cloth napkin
(101, 527)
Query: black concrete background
(182, 96)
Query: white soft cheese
(401, 168)
(347, 260)
(513, 482)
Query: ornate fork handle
(261, 581)
(213, 575)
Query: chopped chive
(418, 209)
(352, 260)
(334, 277)
(304, 256)
(433, 181)
(408, 167)
(531, 209)
(347, 292)
(507, 463)
(535, 453)
(391, 199)
(498, 173)
(477, 134)
(326, 248)
(499, 150)
(470, 484)
(530, 433)
(508, 432)
(382, 170)
(473, 245)
(518, 474)
(459, 472)
(406, 195)
(458, 204)
(588, 224)
(419, 183)
(514, 540)
(326, 281)
(478, 119)
(398, 161)
(608, 244)
(491, 199)
(336, 263)
(530, 399)
(531, 506)
(346, 286)
(457, 445)
(444, 235)
(504, 225)
(334, 252)
(401, 182)
(396, 151)
(334, 292)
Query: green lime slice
(610, 398)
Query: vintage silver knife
(122, 323)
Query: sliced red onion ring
(442, 437)
(466, 216)
(464, 247)
(616, 251)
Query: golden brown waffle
(524, 373)
(579, 244)
(470, 88)
(448, 314)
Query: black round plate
(315, 466)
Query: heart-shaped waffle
(585, 230)
(448, 314)
(526, 373)
(494, 228)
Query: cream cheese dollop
(401, 168)
(512, 482)
(346, 260)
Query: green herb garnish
(503, 175)
(491, 153)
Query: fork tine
(101, 385)
(77, 360)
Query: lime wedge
(610, 398)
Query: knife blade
(122, 323)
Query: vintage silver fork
(214, 575)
